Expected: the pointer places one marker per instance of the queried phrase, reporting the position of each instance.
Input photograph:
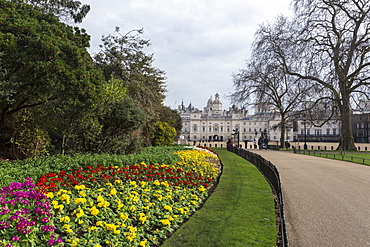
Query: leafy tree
(27, 137)
(65, 10)
(172, 117)
(41, 60)
(163, 134)
(48, 82)
(123, 57)
(121, 126)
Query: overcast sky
(198, 43)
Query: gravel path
(327, 202)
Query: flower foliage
(26, 217)
(134, 205)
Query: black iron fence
(271, 174)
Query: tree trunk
(283, 129)
(346, 137)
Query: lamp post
(305, 135)
(236, 135)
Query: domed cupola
(217, 105)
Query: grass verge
(240, 212)
(355, 157)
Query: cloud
(199, 44)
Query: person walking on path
(260, 141)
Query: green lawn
(240, 212)
(356, 157)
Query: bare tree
(264, 81)
(327, 43)
(338, 35)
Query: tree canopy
(65, 10)
(41, 60)
(54, 98)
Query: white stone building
(216, 124)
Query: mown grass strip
(355, 157)
(240, 212)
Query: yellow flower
(99, 223)
(79, 200)
(165, 183)
(143, 243)
(94, 211)
(201, 188)
(113, 192)
(142, 218)
(65, 197)
(111, 227)
(82, 193)
(123, 216)
(65, 219)
(100, 199)
(50, 195)
(80, 222)
(97, 245)
(156, 182)
(80, 187)
(168, 208)
(93, 228)
(165, 222)
(117, 182)
(80, 213)
(133, 208)
(104, 204)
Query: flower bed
(135, 205)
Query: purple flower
(4, 225)
(15, 238)
(25, 211)
(14, 217)
(51, 242)
(4, 210)
(45, 220)
(48, 228)
(25, 231)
